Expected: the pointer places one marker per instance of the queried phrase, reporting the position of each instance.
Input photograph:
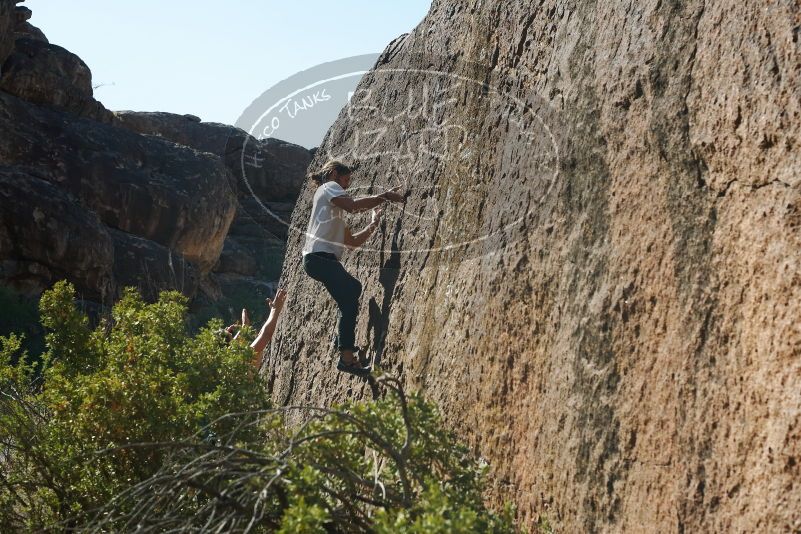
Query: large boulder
(264, 220)
(173, 195)
(138, 199)
(48, 75)
(275, 170)
(22, 15)
(271, 169)
(27, 30)
(267, 179)
(187, 130)
(45, 236)
(599, 280)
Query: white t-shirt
(326, 230)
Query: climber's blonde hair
(322, 175)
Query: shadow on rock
(378, 324)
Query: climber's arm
(358, 239)
(353, 205)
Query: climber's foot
(349, 363)
(364, 358)
(356, 355)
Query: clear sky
(213, 58)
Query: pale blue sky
(212, 59)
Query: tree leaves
(138, 425)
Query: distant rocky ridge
(108, 200)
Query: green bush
(141, 379)
(137, 425)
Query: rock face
(46, 236)
(151, 267)
(46, 74)
(266, 175)
(23, 28)
(35, 70)
(172, 195)
(598, 271)
(273, 167)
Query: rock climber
(326, 238)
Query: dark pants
(345, 289)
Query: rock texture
(172, 195)
(35, 70)
(7, 24)
(606, 309)
(267, 177)
(111, 200)
(46, 236)
(272, 167)
(49, 75)
(23, 28)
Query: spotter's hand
(278, 302)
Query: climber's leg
(345, 289)
(349, 308)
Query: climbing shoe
(354, 368)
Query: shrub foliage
(136, 425)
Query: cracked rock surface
(597, 273)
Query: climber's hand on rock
(394, 195)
